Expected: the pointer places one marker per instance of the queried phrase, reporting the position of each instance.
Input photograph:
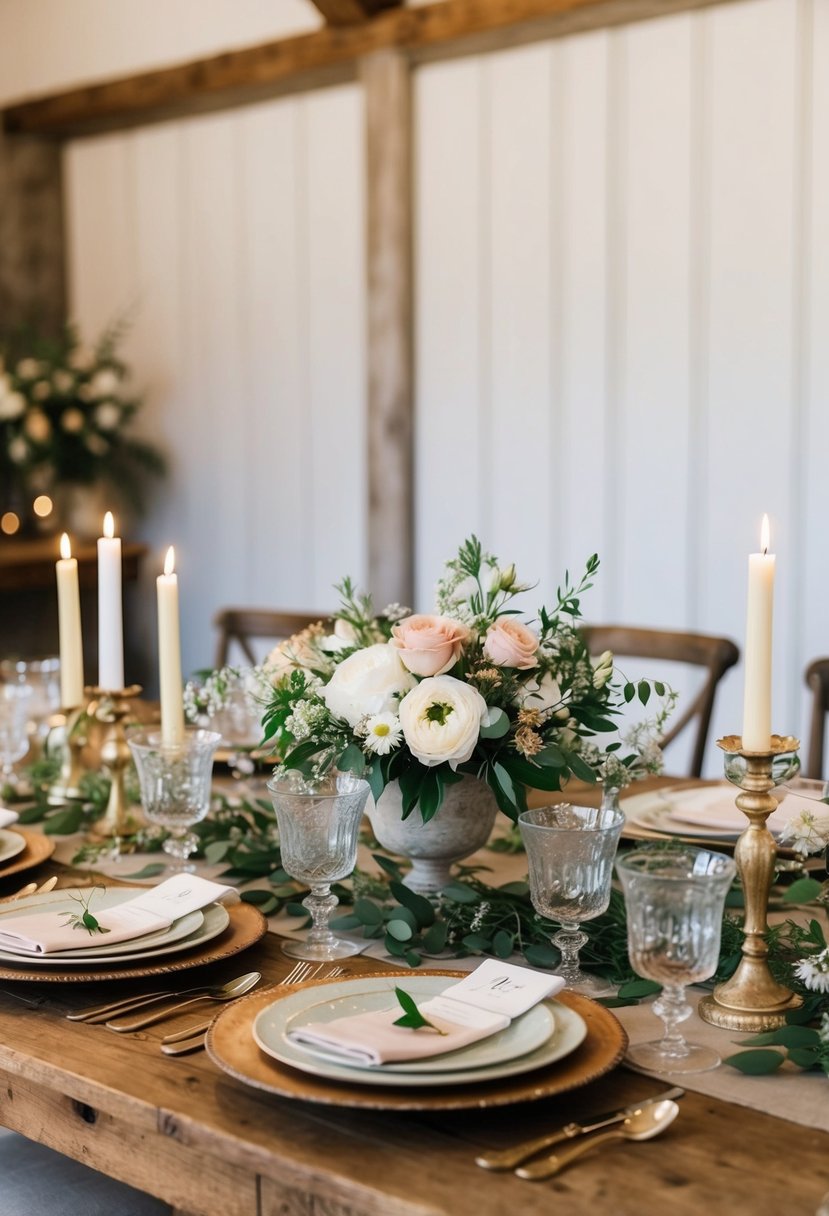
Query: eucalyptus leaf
(399, 930)
(434, 939)
(418, 905)
(638, 988)
(803, 891)
(460, 894)
(217, 851)
(150, 871)
(368, 913)
(503, 943)
(756, 1063)
(497, 726)
(64, 823)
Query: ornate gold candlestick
(67, 785)
(113, 708)
(752, 1000)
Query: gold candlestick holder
(67, 785)
(752, 1000)
(113, 708)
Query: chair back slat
(817, 678)
(242, 626)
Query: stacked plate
(187, 933)
(11, 843)
(544, 1034)
(710, 812)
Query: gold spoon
(643, 1124)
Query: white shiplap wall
(239, 239)
(623, 283)
(622, 296)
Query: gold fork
(31, 888)
(193, 1038)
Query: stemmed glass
(175, 785)
(675, 899)
(319, 823)
(43, 677)
(570, 851)
(15, 700)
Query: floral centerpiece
(424, 700)
(65, 411)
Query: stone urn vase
(461, 827)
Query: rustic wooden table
(184, 1131)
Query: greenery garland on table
(470, 917)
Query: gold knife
(507, 1159)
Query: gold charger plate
(231, 1045)
(39, 848)
(247, 926)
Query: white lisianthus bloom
(11, 406)
(104, 383)
(63, 381)
(72, 420)
(368, 682)
(441, 720)
(807, 833)
(383, 732)
(107, 416)
(814, 971)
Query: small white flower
(808, 833)
(814, 971)
(18, 450)
(104, 383)
(63, 381)
(382, 733)
(28, 369)
(81, 359)
(42, 390)
(37, 426)
(72, 420)
(11, 406)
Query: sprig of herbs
(412, 1017)
(84, 919)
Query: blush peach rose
(429, 645)
(510, 644)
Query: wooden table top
(183, 1130)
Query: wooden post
(386, 78)
(31, 235)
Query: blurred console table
(28, 599)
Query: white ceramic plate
(508, 1053)
(188, 931)
(656, 812)
(11, 843)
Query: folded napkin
(478, 1006)
(48, 931)
(7, 817)
(715, 807)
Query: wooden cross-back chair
(242, 626)
(714, 654)
(817, 679)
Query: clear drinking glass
(570, 851)
(43, 677)
(675, 899)
(319, 823)
(175, 782)
(15, 700)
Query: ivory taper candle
(757, 701)
(69, 628)
(169, 654)
(110, 609)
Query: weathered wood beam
(32, 289)
(449, 27)
(387, 83)
(347, 12)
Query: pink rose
(511, 644)
(429, 645)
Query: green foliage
(412, 1017)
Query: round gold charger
(231, 1045)
(247, 926)
(39, 848)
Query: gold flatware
(31, 888)
(224, 992)
(507, 1159)
(643, 1124)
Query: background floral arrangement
(65, 410)
(425, 699)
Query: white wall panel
(241, 238)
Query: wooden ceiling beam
(329, 55)
(349, 12)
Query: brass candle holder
(67, 785)
(752, 1000)
(112, 707)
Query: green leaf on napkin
(412, 1018)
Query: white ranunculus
(541, 696)
(11, 406)
(367, 682)
(441, 720)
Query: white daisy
(382, 733)
(808, 833)
(814, 971)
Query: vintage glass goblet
(319, 823)
(675, 899)
(175, 785)
(15, 700)
(43, 677)
(570, 851)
